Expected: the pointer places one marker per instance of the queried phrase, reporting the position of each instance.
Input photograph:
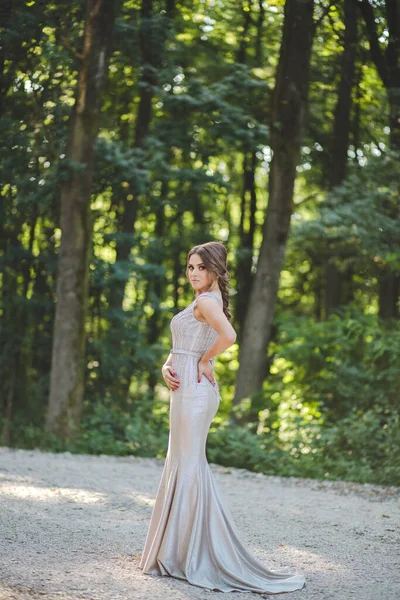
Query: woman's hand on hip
(207, 369)
(169, 375)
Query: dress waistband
(192, 353)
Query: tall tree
(288, 118)
(68, 352)
(337, 284)
(247, 225)
(386, 56)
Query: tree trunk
(68, 352)
(288, 117)
(387, 62)
(246, 12)
(156, 284)
(389, 293)
(247, 226)
(260, 25)
(247, 231)
(6, 14)
(341, 127)
(335, 284)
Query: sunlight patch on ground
(319, 563)
(142, 499)
(45, 494)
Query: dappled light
(49, 495)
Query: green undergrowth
(362, 448)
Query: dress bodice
(191, 338)
(190, 334)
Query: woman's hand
(207, 369)
(169, 374)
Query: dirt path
(73, 526)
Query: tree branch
(70, 48)
(367, 12)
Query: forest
(133, 130)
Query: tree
(386, 57)
(288, 118)
(68, 352)
(337, 284)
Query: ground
(72, 527)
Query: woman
(192, 535)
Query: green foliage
(349, 360)
(362, 447)
(105, 429)
(359, 220)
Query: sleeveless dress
(192, 535)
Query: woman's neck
(212, 290)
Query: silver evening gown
(192, 535)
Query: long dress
(192, 535)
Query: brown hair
(214, 257)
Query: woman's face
(198, 275)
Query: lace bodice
(188, 333)
(191, 338)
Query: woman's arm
(215, 316)
(220, 345)
(168, 362)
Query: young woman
(192, 535)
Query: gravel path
(72, 527)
